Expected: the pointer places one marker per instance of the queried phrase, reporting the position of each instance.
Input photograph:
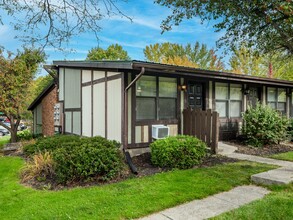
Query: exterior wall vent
(160, 131)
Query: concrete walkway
(280, 176)
(239, 196)
(212, 205)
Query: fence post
(215, 133)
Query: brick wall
(48, 103)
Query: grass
(4, 140)
(132, 198)
(277, 205)
(284, 156)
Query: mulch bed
(261, 151)
(142, 163)
(145, 167)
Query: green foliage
(128, 199)
(245, 60)
(264, 24)
(25, 135)
(16, 74)
(86, 160)
(113, 52)
(181, 152)
(264, 126)
(39, 84)
(290, 129)
(197, 55)
(80, 159)
(50, 144)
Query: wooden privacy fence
(204, 125)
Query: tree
(248, 62)
(16, 75)
(197, 55)
(39, 84)
(51, 23)
(113, 52)
(266, 24)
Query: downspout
(125, 138)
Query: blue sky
(133, 36)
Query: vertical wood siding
(76, 123)
(86, 111)
(86, 76)
(99, 75)
(99, 110)
(72, 88)
(114, 109)
(61, 84)
(68, 122)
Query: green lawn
(4, 140)
(284, 156)
(277, 205)
(128, 199)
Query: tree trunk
(13, 138)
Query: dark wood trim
(97, 81)
(106, 105)
(178, 110)
(207, 95)
(101, 80)
(133, 111)
(118, 76)
(92, 104)
(72, 122)
(156, 122)
(123, 116)
(72, 109)
(81, 109)
(86, 84)
(150, 133)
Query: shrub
(25, 135)
(80, 159)
(264, 126)
(49, 144)
(91, 158)
(290, 129)
(40, 168)
(180, 152)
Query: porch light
(183, 87)
(138, 90)
(246, 91)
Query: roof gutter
(52, 70)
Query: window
(277, 99)
(228, 99)
(156, 98)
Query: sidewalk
(239, 196)
(280, 176)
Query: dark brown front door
(195, 95)
(253, 96)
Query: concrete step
(280, 176)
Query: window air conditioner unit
(160, 131)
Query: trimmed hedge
(180, 152)
(49, 144)
(79, 159)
